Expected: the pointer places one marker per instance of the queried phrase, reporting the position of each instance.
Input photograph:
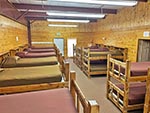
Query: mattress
(40, 50)
(35, 55)
(48, 101)
(11, 61)
(136, 92)
(137, 68)
(98, 67)
(30, 75)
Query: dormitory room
(74, 56)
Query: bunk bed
(147, 95)
(74, 53)
(126, 83)
(95, 59)
(49, 100)
(79, 56)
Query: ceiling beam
(62, 8)
(142, 0)
(44, 16)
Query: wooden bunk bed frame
(147, 96)
(89, 106)
(79, 56)
(74, 53)
(126, 80)
(124, 51)
(87, 57)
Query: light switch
(146, 34)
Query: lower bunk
(126, 86)
(59, 100)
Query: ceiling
(37, 9)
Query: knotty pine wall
(122, 29)
(40, 32)
(125, 28)
(9, 30)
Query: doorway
(59, 42)
(70, 43)
(143, 50)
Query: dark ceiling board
(62, 8)
(142, 0)
(49, 17)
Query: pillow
(20, 54)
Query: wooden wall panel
(125, 28)
(40, 32)
(8, 33)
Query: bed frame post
(66, 71)
(72, 90)
(126, 86)
(12, 52)
(93, 106)
(125, 52)
(108, 77)
(147, 95)
(88, 63)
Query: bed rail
(89, 106)
(147, 95)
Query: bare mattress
(48, 101)
(30, 75)
(27, 62)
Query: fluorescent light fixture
(73, 14)
(66, 20)
(104, 2)
(61, 25)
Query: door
(59, 42)
(70, 43)
(143, 50)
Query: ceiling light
(61, 25)
(73, 14)
(66, 20)
(104, 2)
